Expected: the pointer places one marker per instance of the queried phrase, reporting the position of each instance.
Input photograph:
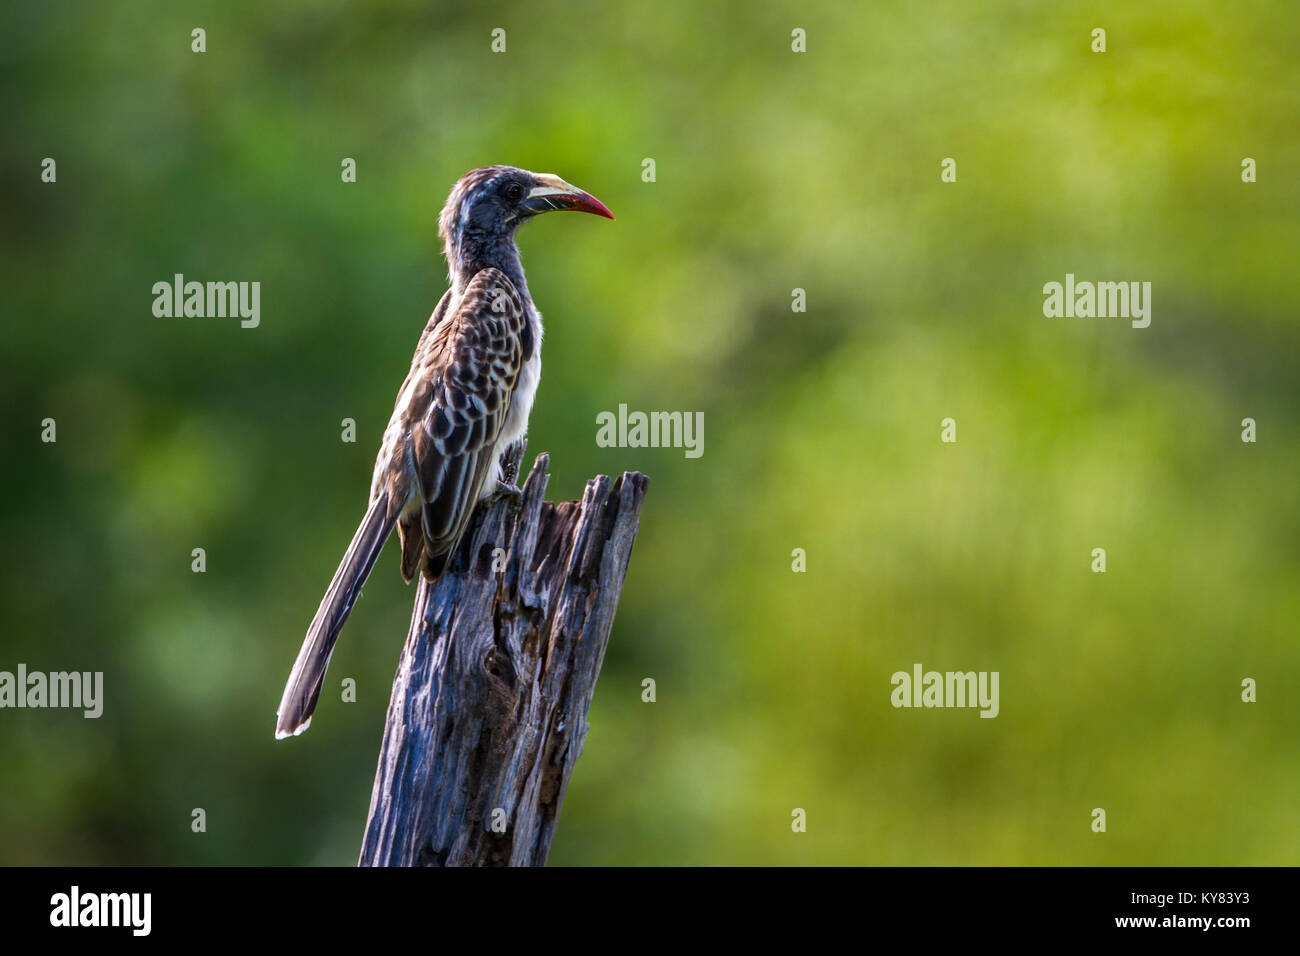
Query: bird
(466, 400)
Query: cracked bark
(488, 712)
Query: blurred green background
(775, 170)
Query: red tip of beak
(589, 203)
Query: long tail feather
(308, 675)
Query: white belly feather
(515, 426)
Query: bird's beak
(555, 194)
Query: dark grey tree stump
(489, 707)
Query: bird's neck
(472, 254)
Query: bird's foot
(503, 490)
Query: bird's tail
(308, 675)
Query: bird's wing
(461, 402)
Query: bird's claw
(503, 490)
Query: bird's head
(487, 205)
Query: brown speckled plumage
(466, 397)
(438, 449)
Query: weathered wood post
(489, 706)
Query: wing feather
(471, 368)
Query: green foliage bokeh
(775, 170)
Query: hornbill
(464, 401)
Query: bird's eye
(514, 192)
